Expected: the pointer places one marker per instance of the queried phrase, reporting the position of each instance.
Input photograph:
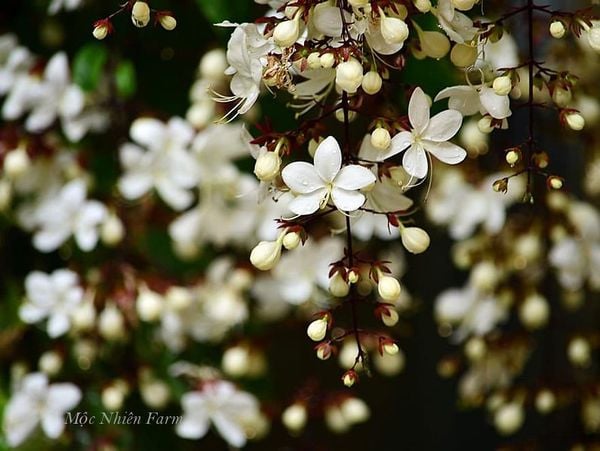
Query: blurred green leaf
(218, 11)
(125, 79)
(88, 64)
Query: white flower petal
(401, 141)
(328, 159)
(497, 106)
(443, 126)
(305, 204)
(135, 185)
(464, 99)
(415, 162)
(418, 110)
(446, 151)
(148, 132)
(302, 177)
(58, 324)
(31, 313)
(40, 118)
(48, 240)
(347, 200)
(175, 196)
(72, 101)
(57, 70)
(231, 431)
(63, 397)
(354, 177)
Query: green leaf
(125, 79)
(218, 11)
(88, 64)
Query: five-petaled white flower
(427, 134)
(36, 402)
(53, 296)
(221, 404)
(315, 184)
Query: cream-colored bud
(380, 138)
(464, 5)
(149, 305)
(178, 298)
(266, 254)
(267, 165)
(388, 288)
(557, 29)
(509, 418)
(353, 276)
(545, 401)
(355, 410)
(168, 22)
(100, 31)
(393, 30)
(291, 240)
(579, 351)
(112, 230)
(113, 397)
(484, 276)
(317, 329)
(83, 316)
(111, 323)
(314, 60)
(16, 163)
(593, 36)
(200, 114)
(327, 60)
(236, 361)
(335, 420)
(424, 6)
(50, 363)
(341, 116)
(286, 33)
(213, 64)
(312, 146)
(155, 393)
(512, 157)
(390, 317)
(391, 348)
(349, 75)
(534, 312)
(485, 125)
(140, 14)
(338, 287)
(562, 96)
(349, 378)
(575, 121)
(475, 349)
(414, 239)
(502, 85)
(294, 417)
(372, 82)
(463, 55)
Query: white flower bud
(575, 121)
(389, 288)
(168, 22)
(475, 349)
(16, 163)
(100, 31)
(341, 117)
(294, 417)
(84, 316)
(335, 420)
(236, 361)
(355, 410)
(349, 75)
(557, 29)
(349, 378)
(593, 37)
(464, 5)
(178, 298)
(485, 125)
(391, 348)
(380, 138)
(291, 240)
(579, 351)
(390, 317)
(512, 157)
(327, 60)
(509, 418)
(534, 312)
(112, 230)
(562, 96)
(113, 397)
(266, 254)
(424, 6)
(267, 165)
(213, 65)
(463, 55)
(200, 114)
(50, 363)
(372, 82)
(155, 393)
(111, 323)
(338, 287)
(502, 85)
(389, 365)
(286, 33)
(317, 329)
(484, 276)
(545, 401)
(414, 239)
(140, 14)
(148, 305)
(353, 276)
(314, 60)
(393, 29)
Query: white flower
(457, 26)
(35, 402)
(68, 213)
(54, 296)
(221, 404)
(166, 165)
(315, 184)
(576, 260)
(427, 135)
(15, 62)
(68, 5)
(469, 100)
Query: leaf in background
(217, 11)
(125, 79)
(88, 64)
